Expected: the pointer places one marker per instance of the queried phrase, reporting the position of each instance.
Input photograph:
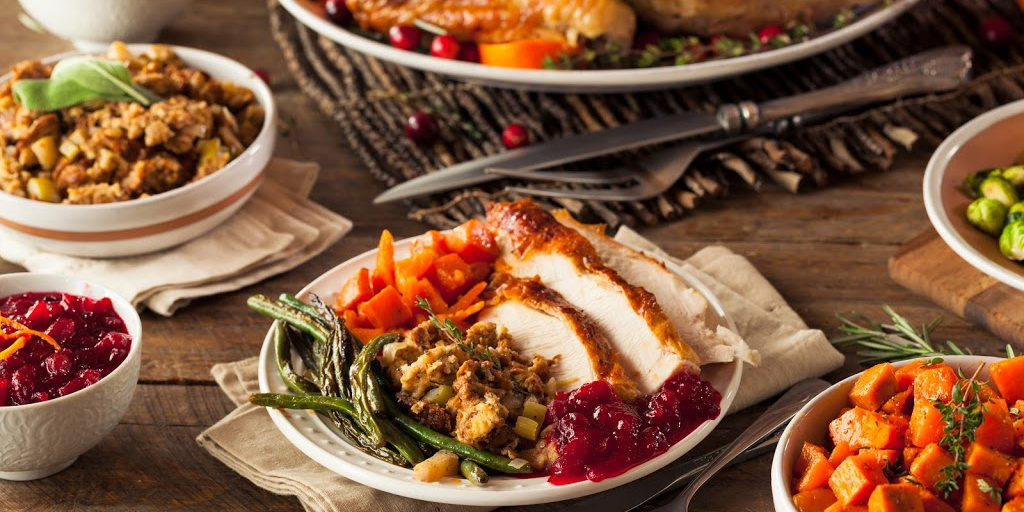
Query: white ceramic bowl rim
(260, 89)
(119, 303)
(933, 192)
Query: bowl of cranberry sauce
(70, 352)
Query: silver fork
(651, 175)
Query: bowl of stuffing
(129, 152)
(91, 25)
(973, 191)
(923, 434)
(70, 352)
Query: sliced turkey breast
(685, 306)
(533, 244)
(542, 323)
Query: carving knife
(932, 71)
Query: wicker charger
(372, 99)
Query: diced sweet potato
(812, 468)
(1015, 487)
(1014, 505)
(909, 454)
(431, 241)
(996, 430)
(386, 309)
(874, 387)
(452, 276)
(927, 466)
(900, 403)
(840, 453)
(472, 242)
(862, 428)
(906, 374)
(935, 383)
(989, 463)
(423, 288)
(895, 498)
(1018, 433)
(855, 479)
(884, 457)
(355, 290)
(1008, 377)
(977, 495)
(925, 423)
(933, 503)
(814, 500)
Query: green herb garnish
(893, 342)
(454, 334)
(961, 417)
(76, 80)
(995, 493)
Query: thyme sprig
(454, 334)
(892, 342)
(961, 418)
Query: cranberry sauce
(597, 436)
(92, 337)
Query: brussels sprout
(972, 183)
(996, 187)
(988, 215)
(1016, 212)
(1011, 241)
(1014, 174)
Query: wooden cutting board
(927, 266)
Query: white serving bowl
(43, 438)
(811, 424)
(92, 24)
(160, 221)
(993, 139)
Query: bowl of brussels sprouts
(974, 193)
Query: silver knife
(932, 71)
(629, 496)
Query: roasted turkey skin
(733, 17)
(485, 21)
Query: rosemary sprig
(961, 417)
(454, 334)
(893, 342)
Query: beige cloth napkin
(277, 229)
(789, 352)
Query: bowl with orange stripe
(70, 353)
(152, 221)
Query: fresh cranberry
(515, 136)
(469, 52)
(5, 394)
(405, 37)
(996, 32)
(57, 365)
(422, 128)
(40, 396)
(445, 47)
(23, 383)
(768, 33)
(338, 12)
(262, 73)
(62, 328)
(646, 38)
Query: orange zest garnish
(22, 333)
(9, 351)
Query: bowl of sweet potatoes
(932, 434)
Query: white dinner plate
(321, 442)
(597, 81)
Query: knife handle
(936, 70)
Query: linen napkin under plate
(248, 442)
(275, 231)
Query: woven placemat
(371, 100)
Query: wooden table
(825, 251)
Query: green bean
(282, 349)
(401, 441)
(335, 408)
(311, 352)
(473, 472)
(298, 304)
(443, 442)
(280, 311)
(363, 394)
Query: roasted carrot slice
(386, 310)
(384, 271)
(357, 289)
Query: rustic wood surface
(826, 251)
